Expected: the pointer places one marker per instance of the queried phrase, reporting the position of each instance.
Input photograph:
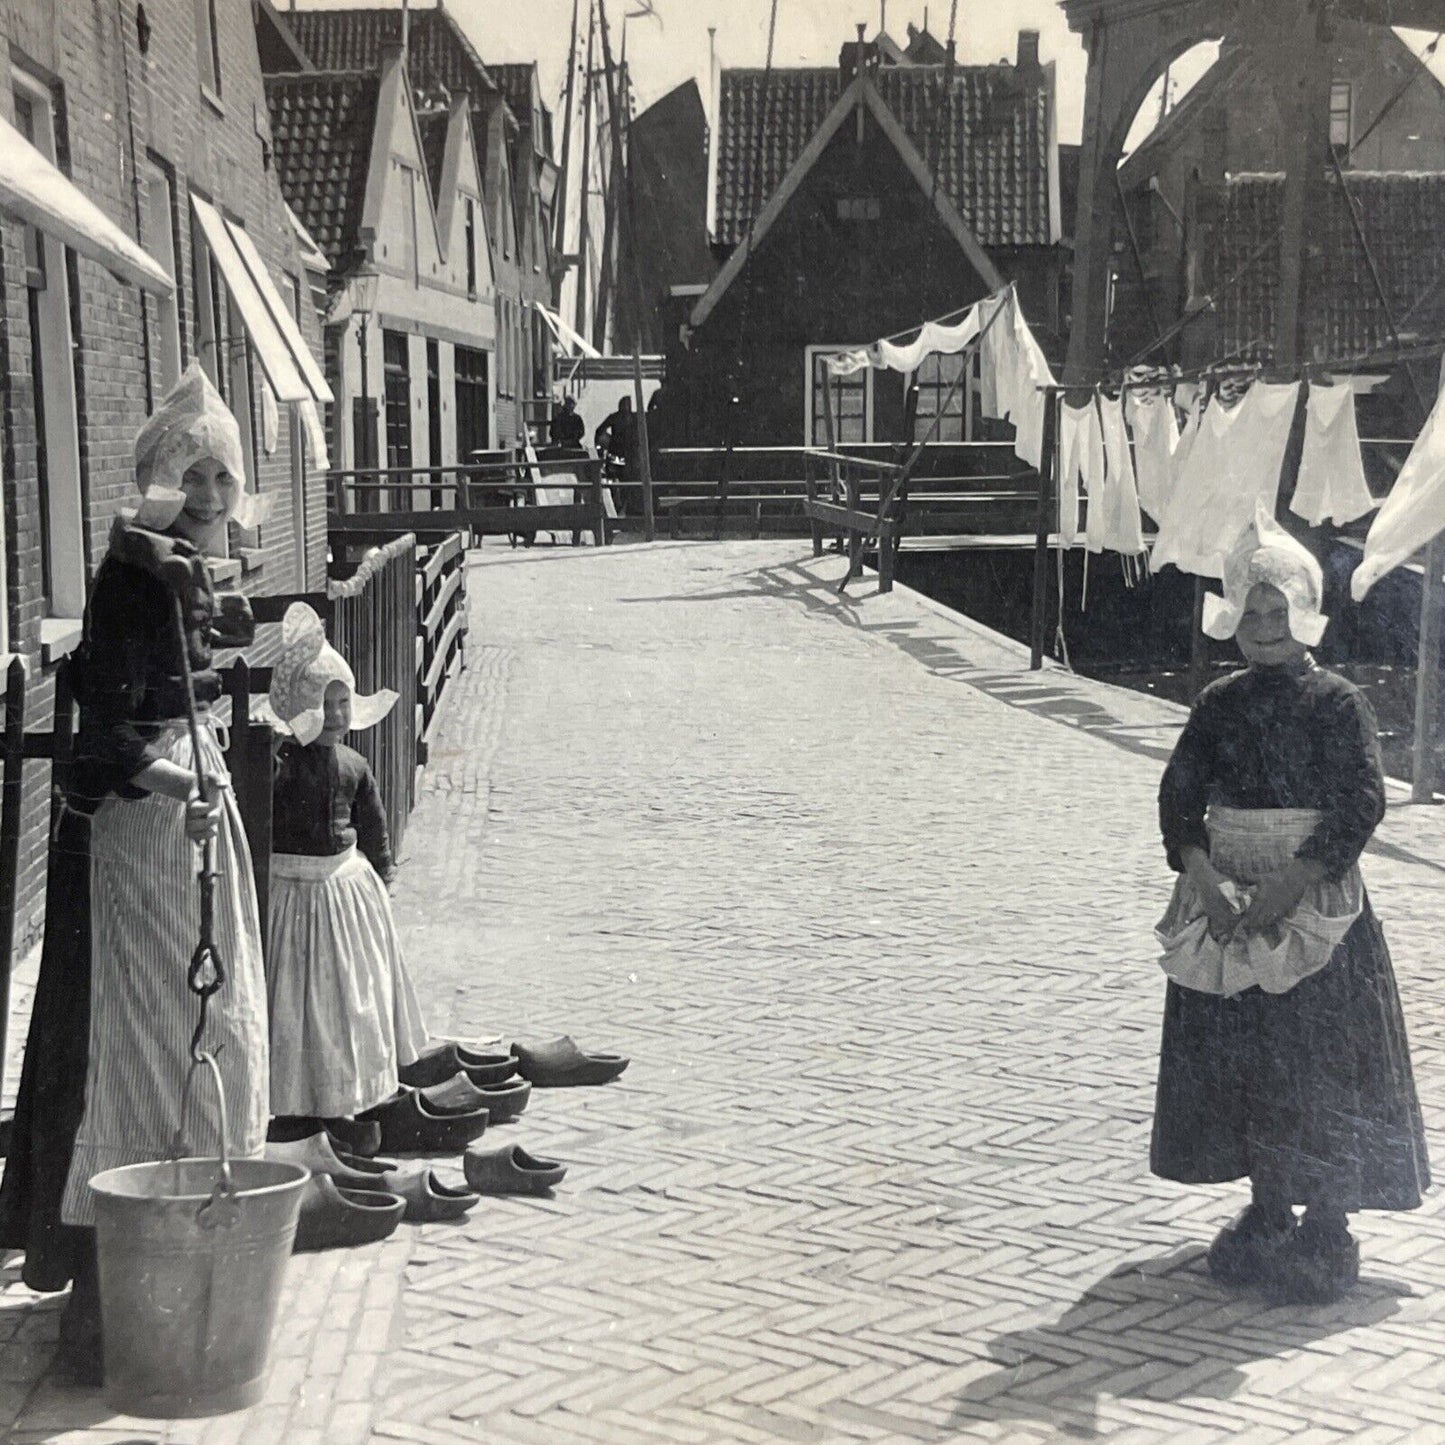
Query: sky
(664, 52)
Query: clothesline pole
(1048, 466)
(1427, 675)
(1198, 643)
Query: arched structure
(1129, 43)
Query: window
(935, 379)
(211, 309)
(293, 294)
(859, 208)
(208, 47)
(504, 348)
(49, 295)
(851, 399)
(471, 248)
(159, 238)
(473, 403)
(434, 414)
(1342, 115)
(396, 378)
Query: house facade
(510, 135)
(1387, 115)
(157, 121)
(392, 192)
(853, 203)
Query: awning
(281, 314)
(34, 190)
(271, 348)
(566, 337)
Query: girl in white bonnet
(1284, 1058)
(344, 1015)
(109, 1044)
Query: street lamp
(364, 286)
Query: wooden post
(1198, 643)
(855, 537)
(1427, 675)
(885, 555)
(810, 490)
(644, 451)
(1043, 526)
(10, 823)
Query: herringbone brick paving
(870, 907)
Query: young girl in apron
(1284, 1058)
(344, 1014)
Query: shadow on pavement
(1156, 1330)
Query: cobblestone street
(870, 907)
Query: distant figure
(568, 428)
(616, 441)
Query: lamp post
(363, 303)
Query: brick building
(155, 115)
(852, 203)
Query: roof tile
(1402, 215)
(986, 138)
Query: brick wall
(113, 105)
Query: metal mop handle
(206, 973)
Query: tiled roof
(987, 139)
(322, 125)
(1403, 217)
(439, 55)
(515, 83)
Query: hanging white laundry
(1231, 467)
(1156, 436)
(1331, 484)
(995, 365)
(1118, 527)
(1414, 512)
(1081, 460)
(933, 340)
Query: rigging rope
(755, 205)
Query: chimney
(853, 57)
(1028, 50)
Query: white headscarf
(1267, 553)
(191, 424)
(308, 664)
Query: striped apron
(145, 922)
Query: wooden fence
(486, 499)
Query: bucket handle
(220, 1209)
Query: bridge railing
(481, 498)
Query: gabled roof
(1403, 217)
(989, 137)
(860, 92)
(439, 55)
(322, 128)
(518, 84)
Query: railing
(374, 627)
(842, 511)
(484, 499)
(956, 488)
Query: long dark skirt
(51, 1100)
(1310, 1089)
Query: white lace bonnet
(308, 664)
(1267, 553)
(191, 423)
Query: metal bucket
(192, 1257)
